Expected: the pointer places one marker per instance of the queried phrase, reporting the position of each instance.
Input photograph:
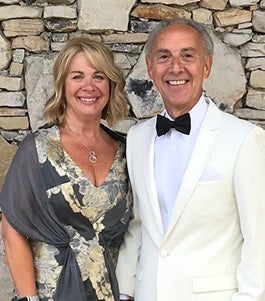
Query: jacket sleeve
(130, 249)
(249, 188)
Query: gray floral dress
(75, 245)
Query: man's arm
(129, 254)
(249, 186)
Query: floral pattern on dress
(73, 198)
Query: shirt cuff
(125, 297)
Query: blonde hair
(101, 58)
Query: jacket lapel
(148, 174)
(205, 145)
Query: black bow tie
(181, 124)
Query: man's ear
(148, 66)
(207, 66)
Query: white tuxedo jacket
(214, 247)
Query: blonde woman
(66, 199)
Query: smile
(88, 100)
(176, 82)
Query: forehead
(177, 36)
(78, 58)
(81, 60)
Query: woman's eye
(77, 77)
(99, 77)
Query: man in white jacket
(198, 183)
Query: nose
(176, 65)
(88, 85)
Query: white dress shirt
(172, 155)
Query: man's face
(177, 64)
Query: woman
(66, 200)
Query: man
(199, 197)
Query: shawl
(24, 183)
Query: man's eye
(187, 56)
(163, 57)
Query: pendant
(92, 157)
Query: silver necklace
(92, 156)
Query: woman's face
(86, 89)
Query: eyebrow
(76, 71)
(188, 49)
(162, 50)
(81, 72)
(165, 50)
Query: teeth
(87, 99)
(176, 82)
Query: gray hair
(206, 38)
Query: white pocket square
(210, 175)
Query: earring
(63, 104)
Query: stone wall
(33, 31)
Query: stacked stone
(33, 31)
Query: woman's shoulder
(46, 133)
(46, 129)
(41, 134)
